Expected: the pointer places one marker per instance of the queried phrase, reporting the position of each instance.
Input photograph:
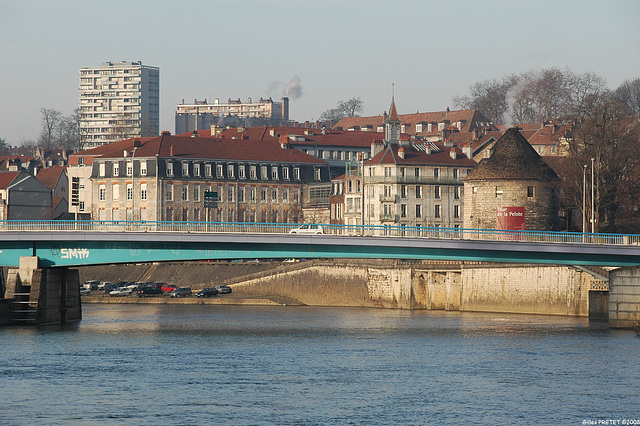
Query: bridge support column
(624, 297)
(42, 295)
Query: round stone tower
(513, 189)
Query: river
(286, 365)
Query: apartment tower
(118, 101)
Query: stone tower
(513, 180)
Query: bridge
(77, 243)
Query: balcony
(388, 198)
(421, 180)
(387, 217)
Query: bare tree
(628, 93)
(4, 148)
(350, 108)
(488, 96)
(51, 120)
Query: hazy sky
(338, 49)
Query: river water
(151, 364)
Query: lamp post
(593, 218)
(584, 199)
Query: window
(116, 169)
(417, 172)
(185, 192)
(274, 173)
(418, 210)
(241, 172)
(455, 173)
(285, 173)
(436, 173)
(274, 195)
(316, 174)
(185, 169)
(252, 195)
(230, 194)
(357, 186)
(456, 212)
(102, 193)
(169, 168)
(349, 187)
(296, 173)
(143, 191)
(387, 172)
(143, 168)
(129, 191)
(418, 191)
(129, 168)
(436, 192)
(263, 172)
(436, 212)
(474, 190)
(219, 171)
(115, 192)
(263, 195)
(402, 169)
(499, 191)
(456, 192)
(403, 191)
(285, 195)
(530, 191)
(207, 170)
(241, 195)
(252, 172)
(196, 193)
(196, 170)
(230, 171)
(168, 192)
(403, 210)
(102, 169)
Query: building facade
(118, 101)
(202, 115)
(174, 178)
(406, 183)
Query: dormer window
(230, 171)
(116, 169)
(219, 171)
(185, 169)
(169, 168)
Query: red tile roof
(168, 145)
(414, 156)
(6, 178)
(50, 176)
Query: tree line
(604, 136)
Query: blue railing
(345, 230)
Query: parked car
(109, 287)
(103, 284)
(168, 288)
(223, 289)
(122, 291)
(181, 292)
(149, 290)
(84, 290)
(308, 229)
(91, 284)
(207, 292)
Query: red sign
(510, 218)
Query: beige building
(406, 183)
(202, 115)
(118, 101)
(174, 178)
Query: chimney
(401, 152)
(467, 150)
(273, 133)
(171, 150)
(137, 143)
(376, 147)
(195, 134)
(324, 130)
(125, 154)
(284, 141)
(474, 135)
(427, 148)
(453, 153)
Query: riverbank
(190, 300)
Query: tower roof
(513, 159)
(393, 112)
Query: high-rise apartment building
(118, 101)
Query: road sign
(210, 199)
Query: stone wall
(624, 297)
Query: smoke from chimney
(292, 90)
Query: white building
(118, 101)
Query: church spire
(392, 123)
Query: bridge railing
(332, 229)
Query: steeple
(392, 123)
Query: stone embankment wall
(529, 289)
(624, 298)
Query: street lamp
(584, 199)
(593, 218)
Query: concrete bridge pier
(624, 297)
(37, 295)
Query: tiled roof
(50, 176)
(415, 156)
(168, 145)
(6, 178)
(470, 117)
(513, 158)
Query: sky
(326, 51)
